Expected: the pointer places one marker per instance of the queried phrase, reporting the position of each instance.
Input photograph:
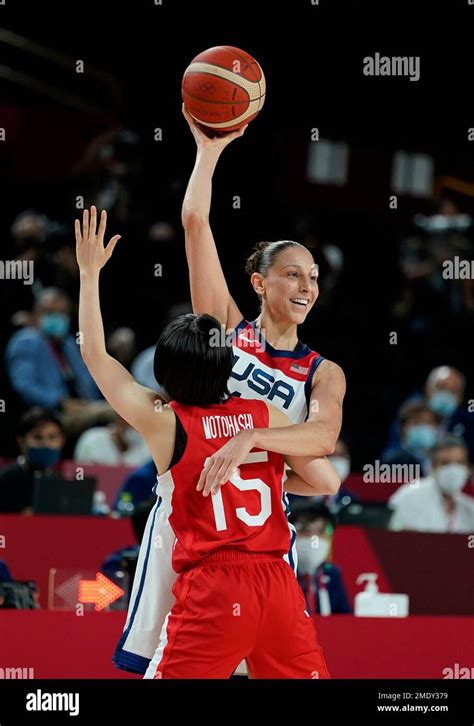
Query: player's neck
(280, 335)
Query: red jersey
(247, 513)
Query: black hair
(305, 512)
(193, 360)
(448, 442)
(264, 255)
(36, 416)
(413, 408)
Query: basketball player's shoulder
(330, 373)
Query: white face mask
(451, 477)
(342, 466)
(312, 551)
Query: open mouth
(300, 301)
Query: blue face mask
(55, 325)
(420, 436)
(42, 457)
(444, 403)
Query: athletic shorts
(235, 605)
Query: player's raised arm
(209, 291)
(132, 401)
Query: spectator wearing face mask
(436, 503)
(341, 461)
(40, 438)
(419, 431)
(45, 366)
(444, 391)
(319, 579)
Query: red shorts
(233, 606)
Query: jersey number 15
(244, 485)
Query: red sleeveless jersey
(247, 513)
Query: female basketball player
(284, 276)
(237, 544)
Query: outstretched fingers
(77, 229)
(102, 225)
(85, 224)
(111, 246)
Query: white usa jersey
(280, 377)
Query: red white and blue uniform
(261, 372)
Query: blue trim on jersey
(307, 384)
(290, 551)
(120, 655)
(131, 662)
(243, 323)
(292, 529)
(301, 351)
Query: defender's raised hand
(90, 251)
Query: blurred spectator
(428, 296)
(121, 345)
(142, 369)
(110, 171)
(45, 366)
(40, 438)
(48, 245)
(5, 575)
(436, 503)
(341, 461)
(137, 488)
(444, 392)
(142, 366)
(19, 595)
(161, 232)
(419, 432)
(117, 443)
(319, 579)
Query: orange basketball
(223, 88)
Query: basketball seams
(233, 51)
(251, 87)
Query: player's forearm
(307, 439)
(295, 484)
(315, 475)
(90, 318)
(197, 200)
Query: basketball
(223, 88)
